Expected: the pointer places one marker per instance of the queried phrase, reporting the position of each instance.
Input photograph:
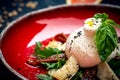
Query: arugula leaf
(44, 77)
(37, 49)
(106, 36)
(46, 52)
(50, 65)
(55, 65)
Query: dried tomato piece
(61, 37)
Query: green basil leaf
(110, 45)
(113, 39)
(103, 16)
(102, 46)
(106, 36)
(100, 38)
(112, 23)
(106, 40)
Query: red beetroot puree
(17, 44)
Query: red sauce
(17, 43)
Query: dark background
(10, 5)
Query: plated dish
(17, 42)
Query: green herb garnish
(106, 36)
(46, 52)
(55, 65)
(103, 16)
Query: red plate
(40, 25)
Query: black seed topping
(75, 36)
(90, 46)
(71, 42)
(118, 39)
(69, 75)
(79, 33)
(69, 49)
(117, 47)
(92, 19)
(96, 21)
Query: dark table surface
(20, 8)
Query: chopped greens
(55, 65)
(46, 52)
(41, 52)
(44, 77)
(106, 36)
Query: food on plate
(82, 45)
(91, 52)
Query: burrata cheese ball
(81, 44)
